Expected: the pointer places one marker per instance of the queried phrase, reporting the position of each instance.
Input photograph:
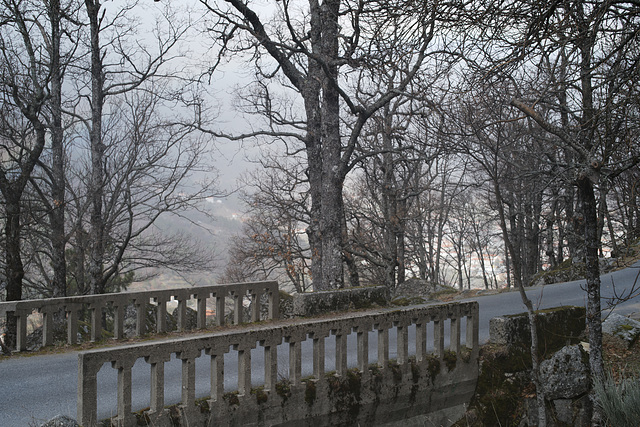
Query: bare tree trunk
(331, 211)
(14, 269)
(96, 185)
(517, 274)
(57, 215)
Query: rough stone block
(621, 326)
(566, 374)
(314, 303)
(557, 327)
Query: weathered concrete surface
(557, 327)
(314, 303)
(118, 302)
(389, 391)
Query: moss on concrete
(433, 366)
(283, 389)
(502, 385)
(261, 395)
(231, 398)
(310, 392)
(345, 394)
(450, 359)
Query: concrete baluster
(421, 339)
(87, 399)
(472, 331)
(341, 350)
(438, 337)
(141, 307)
(47, 324)
(402, 344)
(295, 356)
(274, 302)
(271, 361)
(454, 337)
(255, 305)
(217, 371)
(118, 318)
(383, 343)
(220, 297)
(124, 389)
(21, 333)
(201, 308)
(95, 309)
(161, 314)
(182, 312)
(244, 366)
(72, 322)
(363, 347)
(237, 307)
(156, 404)
(188, 357)
(318, 352)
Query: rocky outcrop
(61, 421)
(622, 327)
(566, 374)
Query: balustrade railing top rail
(269, 336)
(118, 301)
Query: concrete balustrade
(269, 336)
(117, 302)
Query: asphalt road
(37, 388)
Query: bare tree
(328, 53)
(24, 73)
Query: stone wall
(314, 303)
(505, 394)
(557, 327)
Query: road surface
(37, 388)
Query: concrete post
(156, 404)
(72, 322)
(295, 355)
(274, 303)
(182, 313)
(363, 348)
(161, 315)
(341, 350)
(383, 344)
(21, 334)
(237, 307)
(244, 368)
(118, 318)
(220, 308)
(454, 337)
(188, 358)
(318, 353)
(255, 305)
(141, 307)
(124, 389)
(87, 391)
(402, 344)
(438, 337)
(217, 372)
(96, 320)
(47, 325)
(201, 307)
(421, 340)
(472, 332)
(270, 362)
